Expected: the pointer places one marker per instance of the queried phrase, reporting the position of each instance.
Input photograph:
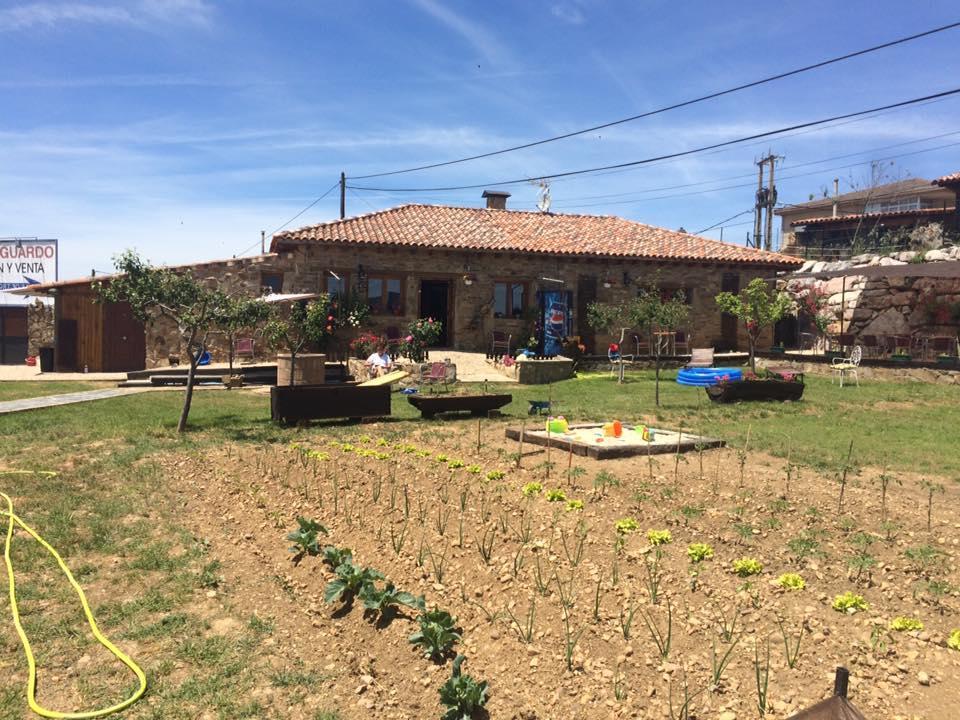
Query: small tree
(238, 314)
(305, 324)
(758, 306)
(649, 312)
(160, 292)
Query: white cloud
(142, 13)
(568, 12)
(482, 40)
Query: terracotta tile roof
(438, 226)
(952, 179)
(892, 190)
(872, 216)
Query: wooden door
(124, 339)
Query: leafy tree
(651, 310)
(160, 292)
(758, 306)
(304, 324)
(238, 314)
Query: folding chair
(500, 343)
(243, 347)
(437, 374)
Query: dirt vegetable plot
(721, 584)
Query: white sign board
(25, 262)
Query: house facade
(896, 216)
(481, 270)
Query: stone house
(480, 270)
(903, 215)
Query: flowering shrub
(905, 624)
(745, 567)
(698, 552)
(659, 537)
(791, 581)
(420, 334)
(363, 346)
(849, 603)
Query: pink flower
(409, 338)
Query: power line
(668, 156)
(246, 250)
(667, 108)
(732, 217)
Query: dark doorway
(586, 294)
(124, 340)
(728, 323)
(66, 354)
(786, 332)
(13, 335)
(435, 303)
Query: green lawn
(17, 390)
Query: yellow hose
(15, 611)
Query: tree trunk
(293, 367)
(753, 360)
(230, 340)
(656, 382)
(188, 396)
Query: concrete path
(471, 366)
(12, 406)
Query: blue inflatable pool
(704, 377)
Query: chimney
(496, 199)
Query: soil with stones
(565, 616)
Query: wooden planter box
(308, 369)
(780, 390)
(289, 404)
(475, 404)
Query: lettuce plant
(556, 496)
(698, 552)
(953, 642)
(659, 537)
(531, 489)
(573, 505)
(495, 475)
(905, 624)
(626, 525)
(475, 469)
(791, 581)
(849, 603)
(747, 566)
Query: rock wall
(39, 327)
(884, 305)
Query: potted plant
(762, 385)
(901, 356)
(946, 361)
(303, 324)
(777, 349)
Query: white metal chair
(844, 366)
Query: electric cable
(14, 519)
(683, 153)
(675, 106)
(281, 227)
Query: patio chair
(701, 358)
(500, 343)
(243, 347)
(641, 344)
(436, 375)
(941, 345)
(847, 366)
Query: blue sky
(185, 127)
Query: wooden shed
(93, 336)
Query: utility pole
(758, 207)
(771, 202)
(263, 241)
(765, 201)
(343, 195)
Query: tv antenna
(543, 196)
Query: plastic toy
(557, 425)
(613, 429)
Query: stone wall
(308, 268)
(883, 305)
(39, 327)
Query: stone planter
(542, 372)
(308, 369)
(780, 390)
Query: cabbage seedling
(437, 634)
(305, 537)
(462, 694)
(384, 603)
(351, 580)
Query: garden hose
(15, 611)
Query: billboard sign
(25, 262)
